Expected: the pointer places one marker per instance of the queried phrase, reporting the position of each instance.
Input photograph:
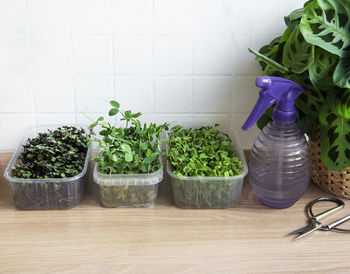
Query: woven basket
(334, 182)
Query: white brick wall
(181, 61)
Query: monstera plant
(314, 51)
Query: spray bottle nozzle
(279, 91)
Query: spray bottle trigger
(279, 91)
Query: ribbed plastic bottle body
(279, 166)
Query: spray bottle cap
(279, 91)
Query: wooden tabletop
(166, 239)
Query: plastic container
(128, 190)
(209, 192)
(60, 193)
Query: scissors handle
(333, 226)
(318, 217)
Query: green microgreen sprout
(130, 149)
(202, 152)
(53, 154)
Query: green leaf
(310, 102)
(326, 23)
(148, 160)
(335, 131)
(113, 112)
(93, 125)
(298, 55)
(308, 106)
(307, 3)
(156, 168)
(114, 104)
(321, 71)
(104, 132)
(105, 125)
(128, 157)
(272, 47)
(287, 33)
(114, 158)
(155, 155)
(126, 147)
(149, 152)
(293, 19)
(102, 143)
(89, 142)
(341, 74)
(101, 118)
(135, 121)
(274, 51)
(128, 114)
(302, 79)
(136, 115)
(269, 61)
(270, 50)
(144, 168)
(308, 124)
(143, 146)
(296, 14)
(343, 104)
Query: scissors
(315, 219)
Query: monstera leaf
(270, 51)
(302, 79)
(293, 19)
(279, 55)
(341, 74)
(310, 102)
(298, 54)
(270, 56)
(308, 105)
(335, 131)
(321, 70)
(307, 123)
(326, 23)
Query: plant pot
(128, 190)
(209, 192)
(53, 193)
(334, 182)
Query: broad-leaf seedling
(130, 149)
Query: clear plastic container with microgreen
(206, 167)
(48, 170)
(128, 166)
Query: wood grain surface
(249, 238)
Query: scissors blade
(301, 230)
(311, 229)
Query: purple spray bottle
(279, 166)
